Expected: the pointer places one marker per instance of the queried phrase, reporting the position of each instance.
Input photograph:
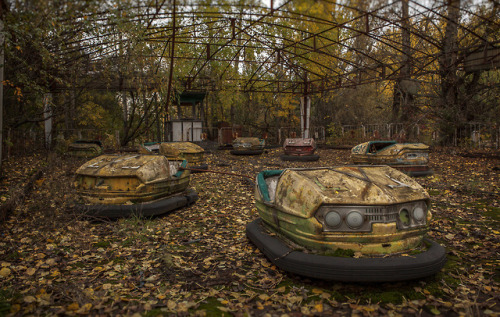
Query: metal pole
(1, 91)
(47, 101)
(172, 51)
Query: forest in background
(118, 65)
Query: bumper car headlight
(418, 214)
(354, 219)
(333, 219)
(404, 217)
(361, 218)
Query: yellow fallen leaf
(171, 305)
(73, 307)
(264, 296)
(51, 262)
(317, 291)
(15, 308)
(29, 299)
(319, 307)
(106, 286)
(84, 309)
(4, 272)
(31, 271)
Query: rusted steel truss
(286, 47)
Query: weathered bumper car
(85, 148)
(299, 149)
(178, 151)
(410, 158)
(115, 186)
(348, 223)
(248, 146)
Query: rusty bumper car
(115, 186)
(410, 158)
(248, 146)
(349, 223)
(85, 148)
(178, 151)
(299, 149)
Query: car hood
(250, 140)
(176, 148)
(400, 147)
(391, 149)
(145, 167)
(301, 192)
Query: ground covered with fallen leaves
(198, 261)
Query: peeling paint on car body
(299, 146)
(129, 179)
(295, 212)
(85, 148)
(176, 151)
(410, 158)
(248, 143)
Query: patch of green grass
(4, 304)
(128, 242)
(210, 306)
(4, 308)
(6, 297)
(79, 264)
(493, 213)
(154, 312)
(15, 255)
(392, 296)
(102, 244)
(486, 209)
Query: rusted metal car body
(410, 158)
(178, 151)
(248, 146)
(373, 211)
(299, 149)
(85, 148)
(120, 185)
(299, 146)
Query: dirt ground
(198, 260)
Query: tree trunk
(403, 107)
(448, 69)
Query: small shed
(189, 123)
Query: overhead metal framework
(283, 47)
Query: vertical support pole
(47, 115)
(170, 73)
(1, 91)
(305, 110)
(308, 116)
(233, 27)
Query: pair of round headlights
(354, 219)
(418, 214)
